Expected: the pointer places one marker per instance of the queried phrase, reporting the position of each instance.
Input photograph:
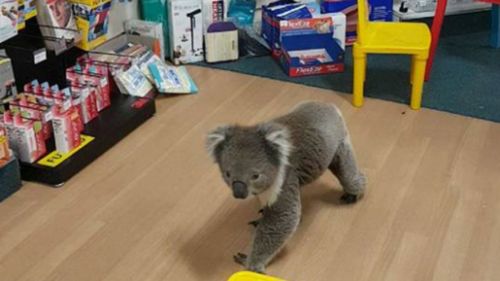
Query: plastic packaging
(242, 12)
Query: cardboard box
(379, 10)
(186, 31)
(313, 46)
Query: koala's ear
(277, 136)
(215, 138)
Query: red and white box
(66, 134)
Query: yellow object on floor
(252, 276)
(390, 38)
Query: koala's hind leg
(346, 169)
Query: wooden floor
(155, 208)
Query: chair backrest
(362, 20)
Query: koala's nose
(240, 190)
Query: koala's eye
(255, 177)
(228, 174)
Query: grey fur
(286, 153)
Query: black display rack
(112, 125)
(125, 114)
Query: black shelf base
(125, 114)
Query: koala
(273, 159)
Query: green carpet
(465, 79)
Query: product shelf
(125, 114)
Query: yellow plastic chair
(390, 38)
(252, 276)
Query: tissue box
(379, 10)
(221, 42)
(10, 178)
(313, 46)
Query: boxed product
(221, 42)
(186, 31)
(56, 13)
(283, 10)
(30, 108)
(171, 80)
(156, 11)
(66, 132)
(133, 82)
(92, 19)
(21, 19)
(8, 19)
(213, 12)
(313, 46)
(29, 9)
(379, 10)
(7, 82)
(25, 137)
(150, 29)
(96, 76)
(4, 147)
(87, 105)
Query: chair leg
(359, 79)
(412, 73)
(437, 22)
(418, 70)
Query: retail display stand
(125, 114)
(113, 124)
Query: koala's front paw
(349, 198)
(240, 258)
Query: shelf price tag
(39, 55)
(55, 158)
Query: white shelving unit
(451, 9)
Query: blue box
(310, 47)
(10, 178)
(379, 10)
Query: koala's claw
(349, 198)
(240, 258)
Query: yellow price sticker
(55, 158)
